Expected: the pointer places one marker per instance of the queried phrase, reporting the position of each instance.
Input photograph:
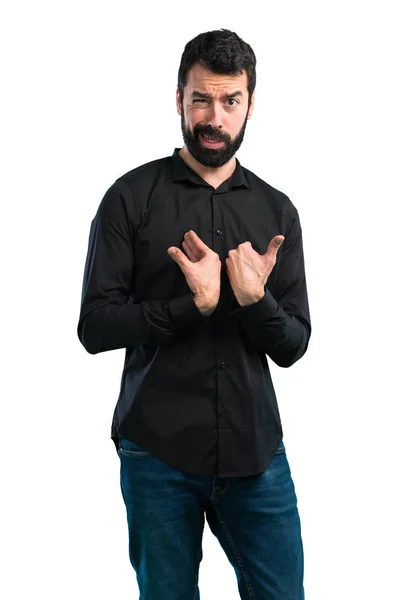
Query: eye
(229, 100)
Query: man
(195, 266)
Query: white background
(88, 94)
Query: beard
(211, 157)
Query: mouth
(210, 142)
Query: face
(217, 106)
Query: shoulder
(129, 191)
(277, 199)
(138, 181)
(145, 174)
(122, 197)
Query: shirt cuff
(263, 309)
(184, 311)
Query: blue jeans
(255, 520)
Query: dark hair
(221, 51)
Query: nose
(214, 116)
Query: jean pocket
(128, 448)
(281, 448)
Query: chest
(221, 220)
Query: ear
(251, 106)
(178, 102)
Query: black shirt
(196, 390)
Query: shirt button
(223, 365)
(219, 231)
(222, 409)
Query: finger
(196, 242)
(195, 252)
(188, 251)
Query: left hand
(248, 271)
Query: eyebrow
(197, 94)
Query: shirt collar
(181, 171)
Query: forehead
(203, 80)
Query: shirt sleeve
(280, 323)
(108, 318)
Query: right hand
(202, 271)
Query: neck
(213, 175)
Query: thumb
(278, 241)
(274, 245)
(177, 256)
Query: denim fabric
(255, 520)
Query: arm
(280, 324)
(108, 319)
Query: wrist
(204, 305)
(251, 299)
